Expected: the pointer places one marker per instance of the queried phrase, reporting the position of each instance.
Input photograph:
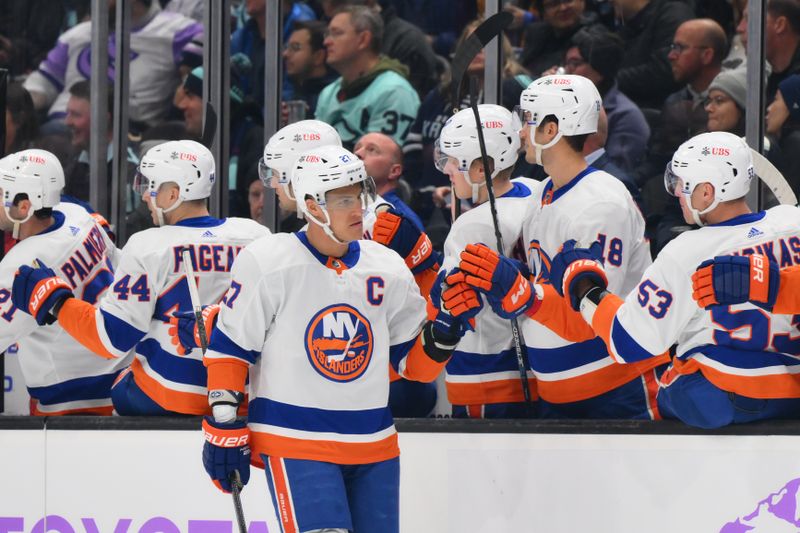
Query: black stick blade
(488, 30)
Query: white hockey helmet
(188, 164)
(283, 148)
(323, 169)
(36, 173)
(459, 140)
(719, 158)
(573, 100)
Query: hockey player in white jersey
(576, 376)
(316, 317)
(283, 149)
(175, 179)
(733, 363)
(482, 377)
(62, 376)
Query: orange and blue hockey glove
(226, 448)
(37, 291)
(735, 279)
(503, 280)
(452, 306)
(397, 232)
(572, 265)
(183, 331)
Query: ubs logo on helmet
(715, 150)
(309, 158)
(306, 137)
(492, 124)
(339, 343)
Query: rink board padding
(144, 475)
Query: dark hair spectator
(596, 54)
(545, 42)
(648, 27)
(304, 59)
(28, 30)
(21, 124)
(783, 127)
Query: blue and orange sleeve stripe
(79, 319)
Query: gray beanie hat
(733, 83)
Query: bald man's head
(383, 159)
(697, 51)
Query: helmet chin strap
(17, 223)
(326, 226)
(161, 211)
(541, 147)
(696, 213)
(476, 187)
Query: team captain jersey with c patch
(320, 333)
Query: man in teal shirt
(372, 94)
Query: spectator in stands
(158, 41)
(255, 198)
(597, 156)
(546, 41)
(782, 42)
(726, 102)
(21, 125)
(696, 55)
(372, 93)
(648, 27)
(404, 42)
(247, 131)
(249, 40)
(442, 32)
(596, 53)
(383, 160)
(305, 64)
(421, 173)
(783, 126)
(28, 29)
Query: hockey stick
(197, 307)
(773, 179)
(515, 332)
(483, 34)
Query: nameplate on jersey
(339, 343)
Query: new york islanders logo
(339, 343)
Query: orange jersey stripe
(178, 401)
(420, 367)
(226, 374)
(343, 453)
(597, 382)
(603, 320)
(556, 314)
(282, 495)
(500, 391)
(774, 386)
(788, 301)
(79, 319)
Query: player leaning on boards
(175, 179)
(483, 379)
(316, 317)
(62, 376)
(576, 376)
(733, 364)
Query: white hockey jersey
(484, 367)
(62, 376)
(593, 206)
(739, 348)
(149, 286)
(156, 48)
(320, 334)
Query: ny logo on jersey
(339, 343)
